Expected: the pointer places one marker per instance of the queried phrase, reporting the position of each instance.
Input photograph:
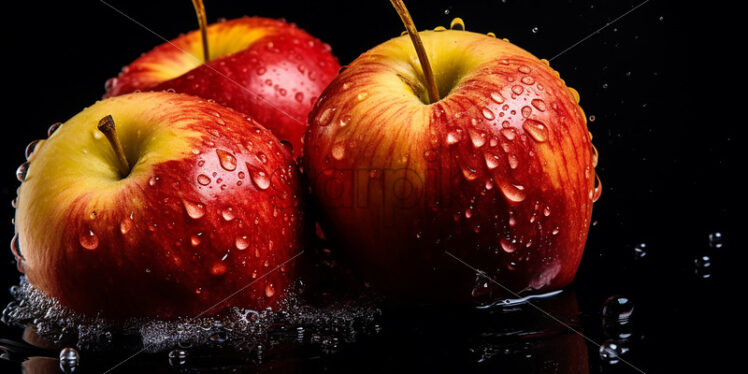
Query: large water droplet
(241, 242)
(22, 170)
(507, 245)
(513, 192)
(193, 209)
(495, 96)
(259, 177)
(492, 160)
(55, 126)
(453, 137)
(477, 138)
(325, 117)
(715, 240)
(269, 290)
(539, 104)
(88, 239)
(487, 114)
(536, 129)
(338, 151)
(228, 214)
(457, 24)
(31, 147)
(226, 159)
(203, 179)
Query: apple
(488, 158)
(187, 203)
(268, 69)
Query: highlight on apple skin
(209, 205)
(499, 172)
(268, 69)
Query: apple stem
(202, 20)
(428, 74)
(106, 126)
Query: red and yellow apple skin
(210, 206)
(499, 172)
(269, 69)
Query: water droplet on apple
(457, 24)
(526, 111)
(152, 180)
(555, 231)
(15, 247)
(203, 179)
(524, 69)
(345, 120)
(453, 137)
(362, 95)
(539, 104)
(338, 151)
(492, 160)
(513, 192)
(125, 225)
(269, 290)
(508, 133)
(536, 129)
(299, 96)
(527, 80)
(598, 191)
(470, 174)
(507, 245)
(241, 242)
(51, 130)
(513, 161)
(88, 239)
(218, 268)
(325, 117)
(478, 139)
(487, 114)
(195, 240)
(259, 178)
(228, 214)
(226, 159)
(22, 170)
(518, 90)
(496, 97)
(31, 147)
(194, 210)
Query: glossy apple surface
(209, 206)
(268, 69)
(499, 172)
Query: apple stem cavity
(106, 126)
(202, 20)
(410, 26)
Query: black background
(656, 81)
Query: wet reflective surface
(658, 280)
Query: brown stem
(106, 126)
(202, 20)
(420, 50)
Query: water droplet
(611, 351)
(226, 159)
(618, 308)
(269, 290)
(640, 251)
(715, 240)
(362, 95)
(527, 80)
(526, 111)
(22, 170)
(152, 181)
(592, 118)
(69, 360)
(457, 24)
(513, 192)
(536, 129)
(299, 96)
(325, 117)
(195, 240)
(507, 245)
(55, 126)
(228, 214)
(508, 133)
(193, 209)
(15, 247)
(487, 114)
(539, 104)
(345, 120)
(125, 225)
(88, 239)
(470, 174)
(31, 147)
(259, 178)
(177, 357)
(513, 161)
(477, 138)
(203, 179)
(453, 137)
(338, 151)
(535, 30)
(492, 160)
(703, 266)
(518, 90)
(241, 242)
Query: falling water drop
(492, 160)
(228, 214)
(325, 117)
(487, 114)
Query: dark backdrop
(664, 125)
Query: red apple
(208, 206)
(498, 170)
(268, 69)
